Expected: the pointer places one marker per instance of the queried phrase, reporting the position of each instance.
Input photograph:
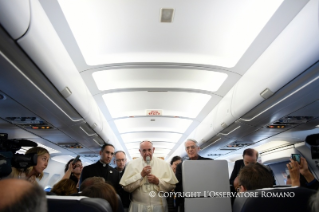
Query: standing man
(102, 168)
(192, 148)
(250, 156)
(147, 178)
(120, 161)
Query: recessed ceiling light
(167, 15)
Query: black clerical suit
(239, 164)
(179, 185)
(125, 196)
(100, 169)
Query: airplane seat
(77, 204)
(296, 199)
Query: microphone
(148, 160)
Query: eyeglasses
(238, 188)
(120, 160)
(190, 147)
(78, 166)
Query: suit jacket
(98, 169)
(239, 164)
(125, 196)
(179, 176)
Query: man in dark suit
(192, 148)
(249, 157)
(102, 168)
(120, 161)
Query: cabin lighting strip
(74, 120)
(230, 131)
(302, 87)
(212, 143)
(97, 142)
(87, 133)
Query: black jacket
(98, 169)
(125, 196)
(239, 164)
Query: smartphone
(76, 159)
(296, 157)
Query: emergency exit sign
(154, 112)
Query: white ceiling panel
(152, 136)
(159, 78)
(152, 124)
(229, 28)
(172, 103)
(167, 145)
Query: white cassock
(142, 191)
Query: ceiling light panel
(155, 144)
(159, 124)
(152, 136)
(229, 28)
(172, 103)
(159, 78)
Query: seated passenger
(33, 172)
(65, 187)
(73, 171)
(104, 191)
(21, 195)
(255, 176)
(91, 181)
(298, 172)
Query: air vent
(235, 145)
(167, 15)
(294, 120)
(91, 156)
(71, 146)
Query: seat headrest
(277, 199)
(77, 203)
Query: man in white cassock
(147, 178)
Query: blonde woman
(33, 172)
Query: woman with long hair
(73, 171)
(33, 172)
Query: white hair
(193, 140)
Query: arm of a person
(304, 170)
(164, 186)
(133, 186)
(68, 172)
(293, 168)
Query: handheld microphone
(148, 160)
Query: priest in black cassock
(102, 168)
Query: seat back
(77, 204)
(277, 199)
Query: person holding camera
(33, 172)
(73, 171)
(299, 172)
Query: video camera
(8, 157)
(313, 142)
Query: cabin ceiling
(132, 63)
(95, 69)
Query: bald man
(22, 196)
